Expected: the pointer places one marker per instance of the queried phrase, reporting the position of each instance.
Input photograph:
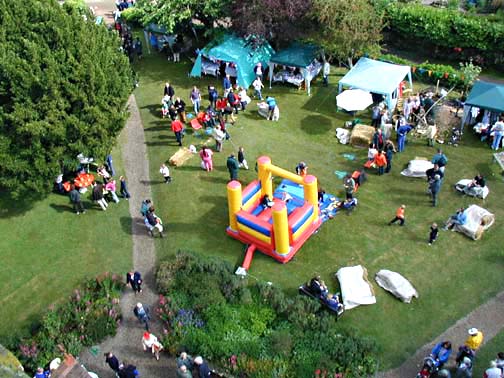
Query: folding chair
(196, 126)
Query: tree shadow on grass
(11, 207)
(62, 208)
(154, 109)
(316, 124)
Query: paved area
(126, 345)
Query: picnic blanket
(181, 156)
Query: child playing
(165, 171)
(242, 162)
(433, 233)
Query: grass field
(47, 250)
(452, 277)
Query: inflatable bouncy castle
(278, 230)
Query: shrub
(254, 330)
(88, 316)
(132, 15)
(447, 30)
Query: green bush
(90, 314)
(253, 330)
(447, 29)
(132, 15)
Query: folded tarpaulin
(355, 288)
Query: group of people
(464, 360)
(151, 220)
(320, 290)
(122, 370)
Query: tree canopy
(172, 13)
(63, 86)
(347, 29)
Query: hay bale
(362, 136)
(181, 156)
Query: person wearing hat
(464, 369)
(443, 373)
(203, 369)
(475, 339)
(186, 360)
(233, 167)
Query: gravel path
(488, 317)
(126, 345)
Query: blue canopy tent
(377, 77)
(156, 36)
(239, 51)
(488, 98)
(302, 56)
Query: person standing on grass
(165, 171)
(440, 160)
(97, 195)
(380, 161)
(226, 84)
(433, 234)
(134, 279)
(431, 134)
(180, 106)
(326, 70)
(389, 154)
(375, 116)
(402, 131)
(75, 199)
(434, 188)
(498, 130)
(212, 95)
(124, 188)
(349, 185)
(233, 167)
(169, 91)
(112, 362)
(206, 158)
(183, 372)
(399, 216)
(219, 137)
(242, 162)
(177, 128)
(195, 97)
(258, 86)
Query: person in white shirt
(325, 73)
(258, 86)
(165, 171)
(493, 371)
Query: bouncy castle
(280, 230)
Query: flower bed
(253, 329)
(90, 314)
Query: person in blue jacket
(402, 131)
(441, 353)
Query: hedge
(452, 30)
(430, 72)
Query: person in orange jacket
(380, 160)
(399, 216)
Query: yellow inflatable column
(234, 191)
(311, 194)
(264, 173)
(280, 228)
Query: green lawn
(194, 209)
(46, 250)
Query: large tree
(275, 20)
(347, 29)
(63, 87)
(173, 13)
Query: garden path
(126, 344)
(489, 318)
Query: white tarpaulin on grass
(396, 284)
(417, 168)
(355, 288)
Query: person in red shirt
(380, 160)
(221, 105)
(177, 128)
(399, 216)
